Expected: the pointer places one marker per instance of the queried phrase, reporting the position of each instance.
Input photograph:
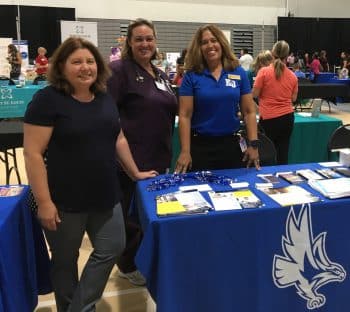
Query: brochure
(177, 203)
(7, 191)
(247, 199)
(343, 170)
(270, 178)
(328, 173)
(332, 188)
(291, 195)
(329, 164)
(291, 177)
(224, 201)
(309, 174)
(198, 187)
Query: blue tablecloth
(14, 101)
(225, 261)
(24, 261)
(324, 77)
(343, 81)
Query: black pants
(279, 130)
(210, 153)
(134, 234)
(133, 230)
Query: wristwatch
(253, 143)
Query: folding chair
(267, 151)
(339, 139)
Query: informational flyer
(7, 191)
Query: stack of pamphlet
(180, 203)
(290, 177)
(309, 174)
(231, 200)
(291, 195)
(247, 199)
(332, 188)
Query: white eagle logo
(305, 263)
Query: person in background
(291, 59)
(297, 71)
(41, 62)
(161, 62)
(15, 60)
(307, 61)
(180, 71)
(115, 54)
(77, 123)
(263, 59)
(183, 55)
(300, 60)
(147, 107)
(324, 61)
(277, 87)
(246, 59)
(315, 65)
(345, 61)
(214, 91)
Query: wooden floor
(120, 295)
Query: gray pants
(107, 235)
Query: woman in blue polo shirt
(214, 93)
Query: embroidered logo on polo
(230, 83)
(305, 264)
(6, 93)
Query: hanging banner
(4, 64)
(22, 47)
(86, 30)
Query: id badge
(160, 85)
(242, 144)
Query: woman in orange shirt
(277, 89)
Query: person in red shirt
(315, 65)
(180, 71)
(41, 62)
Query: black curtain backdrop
(316, 34)
(39, 25)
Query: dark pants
(220, 152)
(107, 236)
(133, 230)
(125, 262)
(279, 130)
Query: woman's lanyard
(160, 83)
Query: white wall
(319, 8)
(223, 11)
(243, 12)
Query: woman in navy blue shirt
(77, 123)
(214, 93)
